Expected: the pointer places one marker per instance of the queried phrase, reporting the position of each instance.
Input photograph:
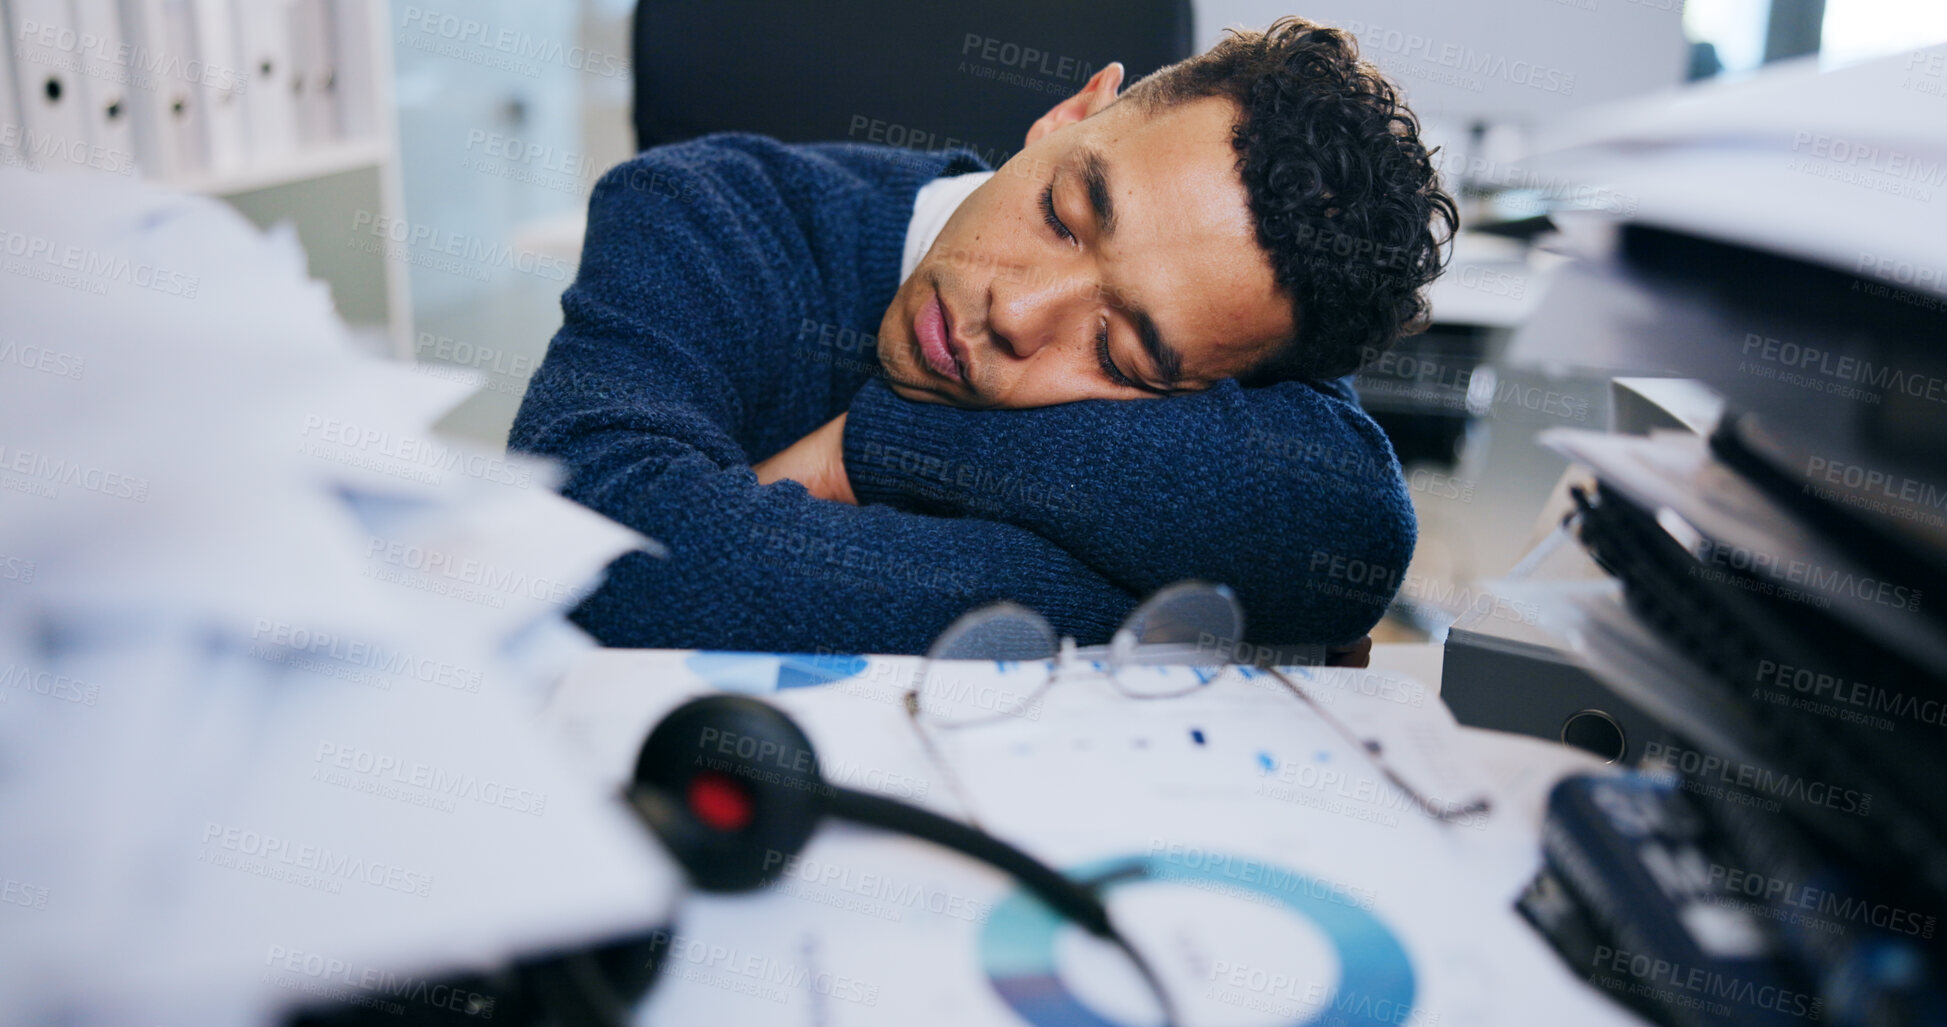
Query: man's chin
(907, 381)
(915, 393)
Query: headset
(732, 787)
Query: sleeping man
(858, 390)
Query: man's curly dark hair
(1346, 199)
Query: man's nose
(1035, 308)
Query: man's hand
(816, 461)
(1358, 654)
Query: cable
(1063, 895)
(1071, 900)
(1148, 975)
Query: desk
(1420, 661)
(869, 928)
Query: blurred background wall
(505, 126)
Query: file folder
(105, 84)
(169, 108)
(219, 82)
(46, 51)
(10, 121)
(264, 38)
(353, 31)
(317, 114)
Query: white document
(1856, 152)
(106, 81)
(169, 116)
(221, 83)
(250, 758)
(47, 52)
(264, 40)
(1267, 870)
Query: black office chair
(908, 73)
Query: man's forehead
(1180, 155)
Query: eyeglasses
(957, 686)
(1191, 624)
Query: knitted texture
(728, 295)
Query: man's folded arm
(759, 566)
(1290, 495)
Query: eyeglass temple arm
(1442, 810)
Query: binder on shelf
(353, 31)
(105, 85)
(1506, 683)
(220, 83)
(10, 120)
(169, 120)
(317, 77)
(54, 115)
(264, 46)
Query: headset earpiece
(733, 789)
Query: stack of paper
(1845, 168)
(269, 649)
(1775, 602)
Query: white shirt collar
(936, 202)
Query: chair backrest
(904, 72)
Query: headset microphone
(732, 787)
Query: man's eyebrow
(1095, 179)
(1169, 363)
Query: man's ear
(1100, 92)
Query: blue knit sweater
(728, 295)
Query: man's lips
(935, 337)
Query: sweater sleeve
(1289, 494)
(641, 412)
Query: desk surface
(1326, 892)
(1420, 661)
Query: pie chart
(1020, 954)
